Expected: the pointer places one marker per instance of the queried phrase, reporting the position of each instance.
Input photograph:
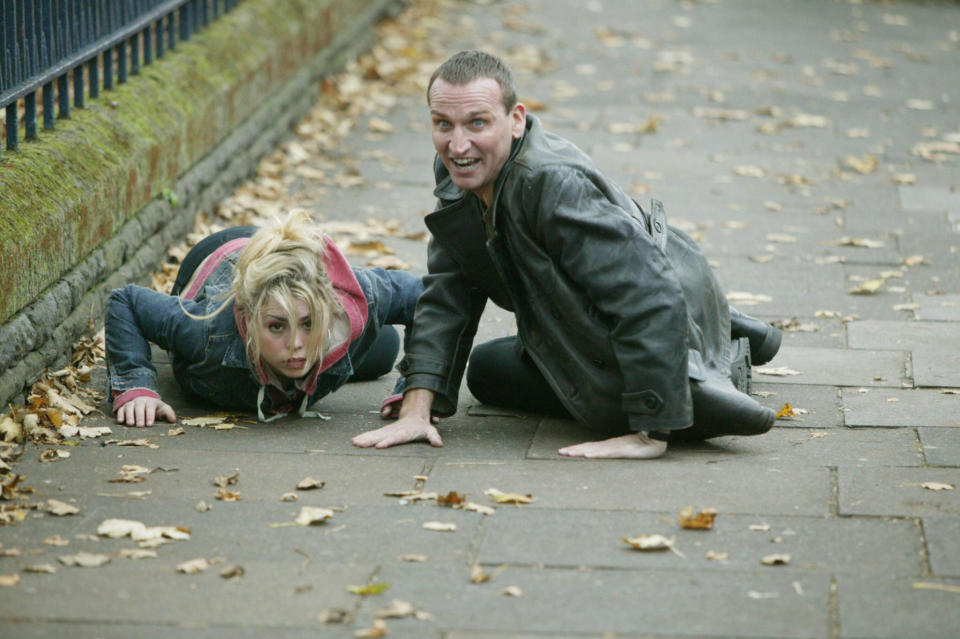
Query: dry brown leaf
(860, 242)
(289, 497)
(202, 507)
(397, 609)
(309, 483)
(376, 630)
(749, 170)
(776, 371)
(440, 526)
(507, 498)
(712, 113)
(776, 559)
(56, 540)
(193, 566)
(311, 515)
(84, 560)
(226, 480)
(137, 553)
(869, 287)
(713, 555)
(691, 519)
(226, 495)
(40, 569)
(478, 508)
(450, 499)
(173, 432)
(760, 527)
(806, 120)
(413, 558)
(60, 509)
(233, 572)
(478, 575)
(513, 591)
(6, 581)
(653, 542)
(936, 485)
(864, 164)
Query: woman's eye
(275, 327)
(307, 325)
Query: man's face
(472, 132)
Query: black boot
(764, 338)
(722, 406)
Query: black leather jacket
(612, 321)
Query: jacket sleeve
(608, 253)
(135, 317)
(444, 326)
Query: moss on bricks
(64, 195)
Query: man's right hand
(414, 424)
(142, 411)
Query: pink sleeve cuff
(131, 394)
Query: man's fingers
(433, 436)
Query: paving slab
(836, 367)
(937, 308)
(781, 447)
(892, 608)
(815, 544)
(617, 601)
(822, 403)
(897, 492)
(77, 629)
(895, 407)
(935, 361)
(645, 486)
(943, 545)
(929, 198)
(941, 446)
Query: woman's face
(291, 360)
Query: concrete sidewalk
(812, 148)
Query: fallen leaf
(84, 560)
(40, 569)
(869, 287)
(60, 509)
(479, 508)
(369, 589)
(906, 307)
(225, 495)
(379, 125)
(173, 432)
(56, 540)
(755, 594)
(207, 420)
(827, 314)
(777, 371)
(760, 527)
(401, 493)
(397, 609)
(233, 572)
(749, 170)
(137, 553)
(310, 515)
(781, 238)
(935, 485)
(378, 629)
(478, 575)
(920, 105)
(697, 520)
(507, 498)
(717, 556)
(450, 499)
(52, 454)
(860, 242)
(309, 483)
(226, 480)
(806, 120)
(744, 298)
(513, 591)
(864, 164)
(333, 615)
(712, 113)
(202, 507)
(413, 558)
(650, 542)
(776, 559)
(913, 260)
(7, 581)
(439, 526)
(289, 497)
(193, 566)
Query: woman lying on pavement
(267, 320)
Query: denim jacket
(210, 357)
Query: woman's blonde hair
(284, 263)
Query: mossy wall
(67, 193)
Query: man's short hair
(467, 66)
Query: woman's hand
(142, 411)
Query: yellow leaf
(785, 411)
(697, 520)
(507, 498)
(870, 287)
(776, 559)
(935, 485)
(865, 164)
(369, 589)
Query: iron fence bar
(12, 127)
(48, 105)
(30, 116)
(108, 69)
(63, 97)
(93, 71)
(135, 53)
(78, 87)
(158, 27)
(121, 50)
(147, 45)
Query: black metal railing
(45, 45)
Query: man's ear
(519, 116)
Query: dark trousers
(376, 362)
(498, 376)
